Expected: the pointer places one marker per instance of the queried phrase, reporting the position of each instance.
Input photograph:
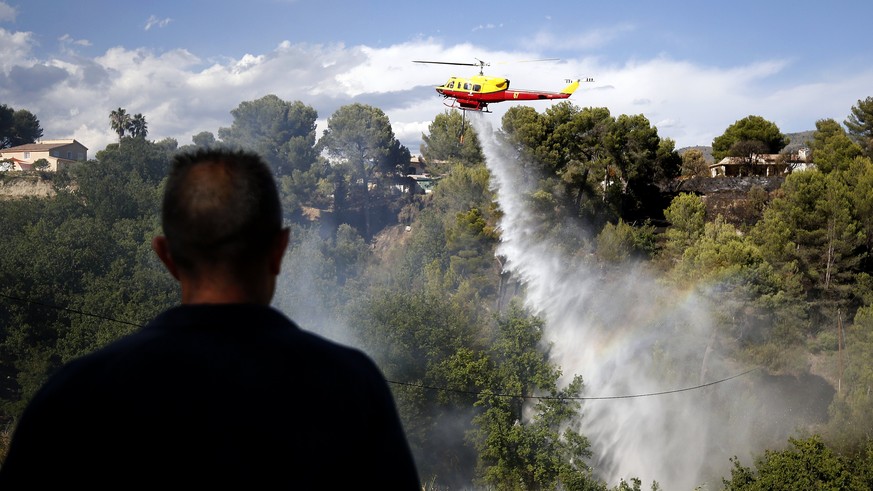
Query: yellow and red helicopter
(476, 92)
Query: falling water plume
(628, 334)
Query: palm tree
(137, 126)
(119, 120)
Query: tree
(41, 164)
(620, 242)
(595, 166)
(450, 139)
(470, 241)
(282, 132)
(204, 139)
(26, 128)
(119, 120)
(808, 464)
(425, 340)
(832, 149)
(122, 183)
(18, 127)
(860, 124)
(137, 126)
(687, 216)
(86, 248)
(528, 445)
(7, 123)
(694, 163)
(362, 138)
(812, 233)
(738, 139)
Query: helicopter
(476, 92)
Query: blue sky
(691, 67)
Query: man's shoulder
(264, 329)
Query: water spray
(627, 334)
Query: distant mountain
(707, 151)
(797, 140)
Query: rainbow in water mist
(627, 334)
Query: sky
(692, 68)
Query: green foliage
(860, 124)
(808, 465)
(694, 163)
(360, 136)
(425, 340)
(464, 188)
(811, 231)
(450, 140)
(464, 376)
(468, 241)
(41, 164)
(687, 215)
(282, 132)
(622, 242)
(119, 121)
(17, 127)
(521, 450)
(315, 272)
(832, 149)
(599, 168)
(78, 253)
(204, 139)
(138, 127)
(850, 426)
(752, 134)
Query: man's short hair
(220, 208)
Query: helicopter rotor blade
(529, 61)
(445, 63)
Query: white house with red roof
(58, 153)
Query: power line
(430, 387)
(67, 309)
(580, 398)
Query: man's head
(222, 223)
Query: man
(222, 390)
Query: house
(59, 154)
(765, 164)
(417, 171)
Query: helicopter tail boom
(571, 88)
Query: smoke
(306, 291)
(627, 334)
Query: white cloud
(16, 47)
(488, 26)
(66, 39)
(7, 13)
(154, 21)
(181, 94)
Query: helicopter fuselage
(475, 93)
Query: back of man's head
(221, 209)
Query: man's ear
(162, 249)
(278, 251)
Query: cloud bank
(182, 93)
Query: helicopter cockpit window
(451, 84)
(466, 86)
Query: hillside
(18, 186)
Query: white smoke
(628, 334)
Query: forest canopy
(418, 279)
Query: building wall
(60, 154)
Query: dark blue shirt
(214, 395)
